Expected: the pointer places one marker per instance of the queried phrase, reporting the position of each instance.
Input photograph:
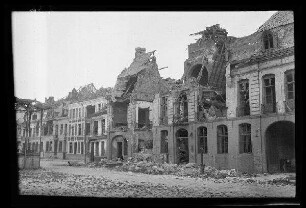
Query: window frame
(222, 139)
(245, 138)
(202, 129)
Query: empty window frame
(245, 143)
(164, 141)
(95, 128)
(268, 40)
(222, 139)
(243, 102)
(202, 140)
(80, 129)
(103, 126)
(269, 93)
(163, 109)
(290, 85)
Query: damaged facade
(234, 106)
(236, 101)
(130, 109)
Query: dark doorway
(280, 147)
(182, 146)
(75, 147)
(119, 150)
(92, 153)
(55, 147)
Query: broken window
(269, 105)
(164, 110)
(99, 107)
(97, 149)
(69, 130)
(222, 139)
(164, 141)
(102, 148)
(268, 40)
(95, 130)
(245, 145)
(290, 90)
(82, 147)
(72, 130)
(80, 129)
(243, 108)
(90, 109)
(70, 147)
(56, 130)
(87, 128)
(61, 129)
(103, 126)
(181, 109)
(120, 114)
(143, 117)
(60, 146)
(202, 140)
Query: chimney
(139, 52)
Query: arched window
(222, 139)
(268, 40)
(202, 140)
(245, 144)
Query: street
(56, 178)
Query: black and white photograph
(155, 104)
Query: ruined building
(130, 109)
(235, 104)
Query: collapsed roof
(141, 80)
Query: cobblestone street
(56, 178)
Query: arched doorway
(194, 72)
(119, 147)
(182, 146)
(280, 147)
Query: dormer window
(268, 40)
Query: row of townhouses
(234, 106)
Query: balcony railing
(289, 105)
(243, 111)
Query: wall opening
(280, 147)
(195, 72)
(182, 146)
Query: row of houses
(234, 106)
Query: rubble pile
(146, 163)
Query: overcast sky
(56, 51)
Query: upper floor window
(222, 139)
(202, 139)
(103, 126)
(268, 40)
(290, 85)
(181, 114)
(79, 129)
(290, 90)
(95, 128)
(245, 145)
(163, 110)
(243, 98)
(79, 112)
(34, 117)
(61, 131)
(269, 94)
